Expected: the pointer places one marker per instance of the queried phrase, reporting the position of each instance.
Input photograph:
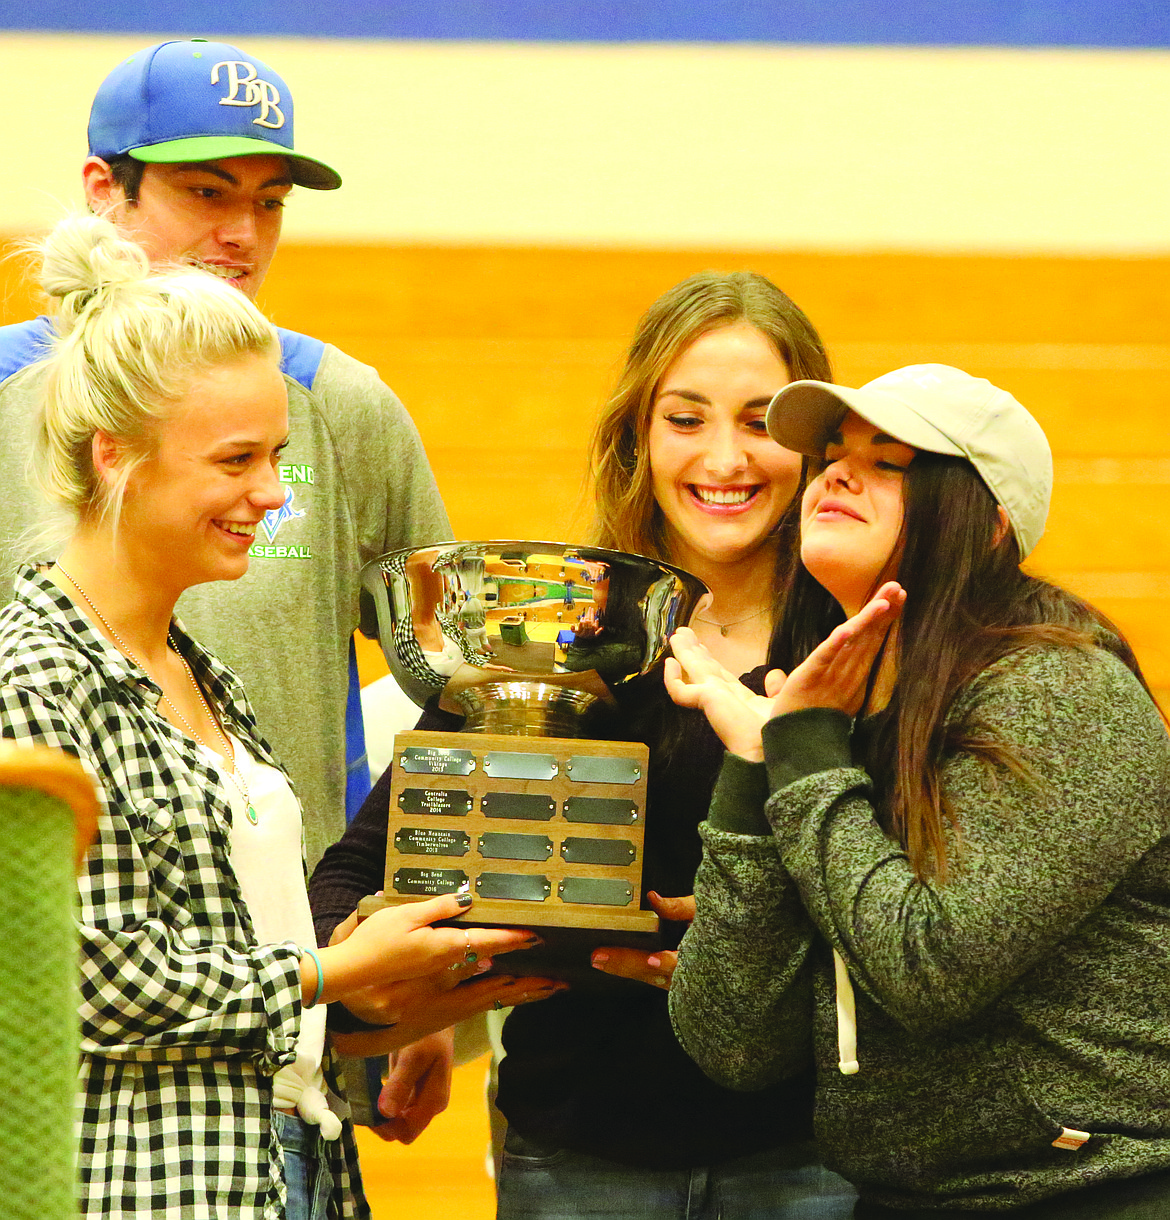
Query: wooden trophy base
(546, 832)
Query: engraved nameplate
(602, 769)
(499, 846)
(443, 802)
(531, 806)
(435, 760)
(600, 810)
(522, 887)
(429, 880)
(504, 764)
(596, 891)
(598, 851)
(431, 841)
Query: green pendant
(252, 816)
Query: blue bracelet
(320, 978)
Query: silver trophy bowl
(523, 637)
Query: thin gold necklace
(725, 627)
(235, 774)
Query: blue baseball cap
(199, 101)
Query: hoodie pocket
(960, 1132)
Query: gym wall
(984, 188)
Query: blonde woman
(205, 1082)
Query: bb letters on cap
(242, 75)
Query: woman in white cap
(944, 835)
(204, 1078)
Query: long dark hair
(968, 605)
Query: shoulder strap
(24, 343)
(300, 356)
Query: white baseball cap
(942, 410)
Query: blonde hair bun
(131, 340)
(82, 258)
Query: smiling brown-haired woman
(607, 1115)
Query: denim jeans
(787, 1183)
(308, 1179)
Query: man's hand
(418, 1086)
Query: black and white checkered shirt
(184, 1018)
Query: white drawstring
(290, 1091)
(846, 1019)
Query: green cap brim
(315, 175)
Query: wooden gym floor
(504, 355)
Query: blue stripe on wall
(1077, 23)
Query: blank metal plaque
(441, 802)
(596, 891)
(522, 887)
(530, 806)
(507, 764)
(496, 845)
(431, 841)
(600, 810)
(603, 769)
(437, 760)
(598, 851)
(428, 881)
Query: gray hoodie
(1012, 1027)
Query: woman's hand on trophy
(399, 943)
(423, 1006)
(656, 968)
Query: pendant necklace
(725, 627)
(235, 774)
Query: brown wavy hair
(627, 517)
(968, 605)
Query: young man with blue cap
(191, 153)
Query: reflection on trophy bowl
(524, 708)
(523, 637)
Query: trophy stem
(524, 708)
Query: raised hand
(695, 679)
(835, 674)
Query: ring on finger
(469, 954)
